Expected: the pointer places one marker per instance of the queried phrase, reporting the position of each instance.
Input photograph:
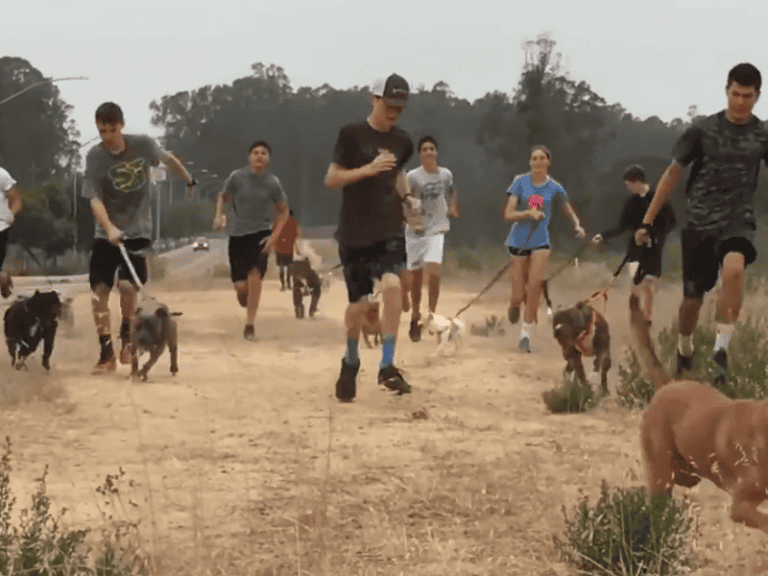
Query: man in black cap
(644, 262)
(368, 163)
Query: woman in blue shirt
(529, 207)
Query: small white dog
(447, 330)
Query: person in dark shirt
(724, 151)
(368, 163)
(644, 262)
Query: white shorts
(421, 250)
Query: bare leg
(689, 314)
(100, 307)
(241, 291)
(537, 263)
(390, 290)
(416, 287)
(433, 285)
(406, 281)
(729, 299)
(254, 295)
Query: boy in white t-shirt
(10, 206)
(425, 232)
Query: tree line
(485, 143)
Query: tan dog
(447, 329)
(691, 431)
(372, 324)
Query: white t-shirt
(6, 183)
(433, 189)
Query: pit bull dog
(372, 324)
(29, 320)
(692, 431)
(152, 329)
(583, 331)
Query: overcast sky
(655, 57)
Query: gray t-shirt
(433, 189)
(121, 182)
(726, 161)
(252, 201)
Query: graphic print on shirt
(128, 176)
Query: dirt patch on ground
(244, 463)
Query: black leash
(488, 286)
(39, 265)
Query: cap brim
(395, 101)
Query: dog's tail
(659, 376)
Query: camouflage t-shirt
(726, 161)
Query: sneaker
(346, 385)
(684, 363)
(249, 333)
(721, 359)
(415, 332)
(104, 366)
(392, 378)
(513, 313)
(524, 344)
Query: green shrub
(571, 397)
(747, 363)
(39, 547)
(625, 533)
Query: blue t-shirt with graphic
(528, 233)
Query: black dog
(583, 331)
(152, 328)
(27, 321)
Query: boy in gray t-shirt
(117, 182)
(425, 232)
(254, 199)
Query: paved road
(186, 263)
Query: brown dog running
(152, 329)
(372, 324)
(583, 331)
(691, 431)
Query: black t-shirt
(371, 208)
(632, 217)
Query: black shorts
(703, 253)
(283, 259)
(364, 265)
(648, 258)
(106, 259)
(246, 254)
(525, 252)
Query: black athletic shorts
(364, 265)
(283, 259)
(106, 259)
(525, 252)
(703, 253)
(246, 254)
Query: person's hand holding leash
(114, 235)
(536, 214)
(644, 235)
(580, 232)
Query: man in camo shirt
(724, 151)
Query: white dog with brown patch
(447, 330)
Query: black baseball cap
(393, 89)
(634, 173)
